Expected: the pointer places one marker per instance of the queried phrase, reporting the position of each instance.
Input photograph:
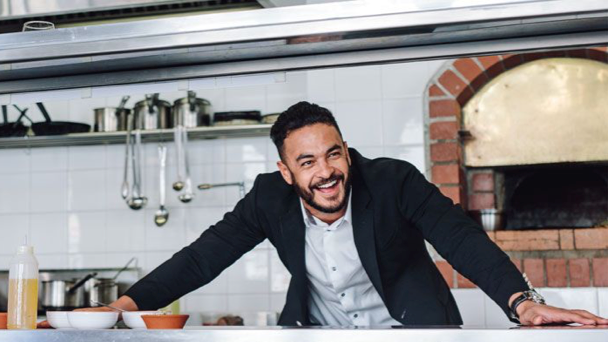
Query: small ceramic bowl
(92, 320)
(165, 321)
(3, 318)
(133, 318)
(58, 319)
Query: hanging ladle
(162, 215)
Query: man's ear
(285, 172)
(347, 154)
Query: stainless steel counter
(354, 334)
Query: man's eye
(334, 154)
(306, 163)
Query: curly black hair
(299, 115)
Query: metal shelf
(82, 139)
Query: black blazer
(395, 209)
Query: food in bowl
(133, 318)
(92, 320)
(160, 321)
(58, 319)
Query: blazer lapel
(293, 234)
(363, 231)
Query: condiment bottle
(23, 289)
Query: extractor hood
(293, 38)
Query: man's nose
(324, 169)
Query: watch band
(530, 294)
(516, 302)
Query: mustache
(337, 177)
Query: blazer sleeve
(459, 239)
(204, 259)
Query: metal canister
(152, 114)
(102, 290)
(56, 295)
(110, 119)
(192, 111)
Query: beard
(308, 195)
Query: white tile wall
(68, 199)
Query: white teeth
(327, 185)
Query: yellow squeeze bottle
(23, 289)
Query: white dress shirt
(341, 292)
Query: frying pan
(13, 129)
(49, 127)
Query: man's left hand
(531, 313)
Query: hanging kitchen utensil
(49, 127)
(124, 190)
(188, 193)
(13, 129)
(162, 215)
(191, 111)
(178, 185)
(153, 113)
(111, 119)
(137, 200)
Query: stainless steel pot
(152, 113)
(192, 111)
(103, 290)
(64, 294)
(110, 119)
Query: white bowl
(133, 318)
(58, 319)
(92, 320)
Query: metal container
(152, 113)
(489, 219)
(192, 111)
(103, 290)
(110, 119)
(56, 295)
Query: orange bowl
(165, 321)
(3, 318)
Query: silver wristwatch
(530, 294)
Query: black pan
(49, 127)
(13, 129)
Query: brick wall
(550, 257)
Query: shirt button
(342, 295)
(356, 315)
(334, 268)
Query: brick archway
(446, 94)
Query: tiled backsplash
(68, 198)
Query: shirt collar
(311, 221)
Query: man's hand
(531, 313)
(124, 302)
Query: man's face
(316, 162)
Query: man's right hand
(124, 302)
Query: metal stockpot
(64, 294)
(192, 111)
(111, 119)
(103, 290)
(152, 113)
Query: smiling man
(351, 231)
